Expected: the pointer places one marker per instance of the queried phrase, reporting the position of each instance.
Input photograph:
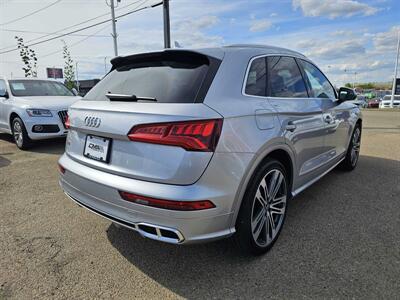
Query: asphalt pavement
(341, 238)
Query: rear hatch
(146, 119)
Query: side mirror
(346, 94)
(4, 94)
(74, 91)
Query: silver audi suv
(187, 146)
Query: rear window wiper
(129, 98)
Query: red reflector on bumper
(167, 204)
(67, 122)
(61, 169)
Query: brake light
(67, 122)
(167, 204)
(200, 135)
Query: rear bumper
(98, 191)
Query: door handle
(290, 127)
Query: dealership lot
(341, 238)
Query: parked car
(33, 109)
(188, 146)
(387, 100)
(360, 101)
(374, 103)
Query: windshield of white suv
(25, 88)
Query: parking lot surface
(341, 238)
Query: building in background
(86, 85)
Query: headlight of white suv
(39, 112)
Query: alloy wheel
(269, 207)
(18, 134)
(355, 149)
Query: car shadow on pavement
(51, 146)
(338, 237)
(6, 137)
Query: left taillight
(199, 135)
(67, 122)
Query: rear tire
(263, 209)
(353, 152)
(20, 134)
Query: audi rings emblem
(92, 122)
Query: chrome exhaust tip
(159, 233)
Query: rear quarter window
(257, 78)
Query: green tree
(349, 85)
(69, 73)
(28, 57)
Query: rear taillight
(67, 123)
(200, 135)
(167, 204)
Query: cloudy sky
(341, 36)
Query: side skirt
(303, 187)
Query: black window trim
(266, 78)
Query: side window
(320, 86)
(256, 79)
(2, 88)
(285, 79)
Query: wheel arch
(13, 115)
(359, 121)
(280, 152)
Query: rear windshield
(168, 77)
(26, 88)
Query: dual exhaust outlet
(151, 231)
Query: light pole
(395, 70)
(76, 75)
(114, 26)
(355, 79)
(167, 30)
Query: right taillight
(199, 135)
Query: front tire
(20, 134)
(263, 209)
(353, 152)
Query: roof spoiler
(183, 55)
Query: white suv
(387, 101)
(34, 109)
